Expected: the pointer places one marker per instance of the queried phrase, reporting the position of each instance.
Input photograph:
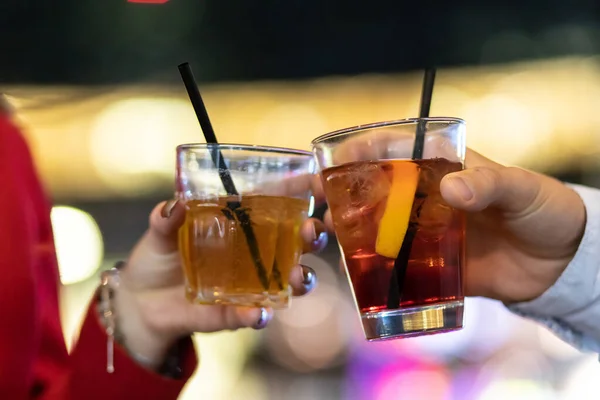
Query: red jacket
(34, 363)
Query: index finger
(165, 221)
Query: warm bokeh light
(508, 120)
(79, 245)
(534, 114)
(222, 357)
(133, 141)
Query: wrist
(146, 346)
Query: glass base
(413, 321)
(212, 297)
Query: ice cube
(355, 194)
(364, 184)
(434, 218)
(356, 228)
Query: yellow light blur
(136, 138)
(506, 122)
(222, 358)
(79, 245)
(534, 114)
(287, 121)
(74, 302)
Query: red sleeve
(34, 362)
(19, 333)
(129, 380)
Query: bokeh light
(504, 118)
(310, 335)
(583, 382)
(277, 123)
(132, 141)
(422, 384)
(79, 245)
(517, 389)
(221, 361)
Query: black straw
(187, 75)
(426, 94)
(211, 138)
(396, 286)
(209, 134)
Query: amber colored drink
(218, 264)
(402, 244)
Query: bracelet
(109, 282)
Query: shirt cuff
(571, 307)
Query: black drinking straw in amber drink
(402, 245)
(240, 239)
(209, 134)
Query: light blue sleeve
(571, 307)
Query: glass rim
(381, 124)
(244, 147)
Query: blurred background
(96, 86)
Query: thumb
(509, 189)
(165, 221)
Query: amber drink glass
(239, 249)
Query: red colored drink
(426, 270)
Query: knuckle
(516, 173)
(488, 175)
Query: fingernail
(263, 320)
(119, 265)
(317, 233)
(461, 188)
(167, 209)
(308, 276)
(321, 241)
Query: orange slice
(396, 216)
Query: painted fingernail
(308, 276)
(461, 188)
(167, 209)
(263, 320)
(321, 241)
(120, 265)
(319, 236)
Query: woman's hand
(151, 292)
